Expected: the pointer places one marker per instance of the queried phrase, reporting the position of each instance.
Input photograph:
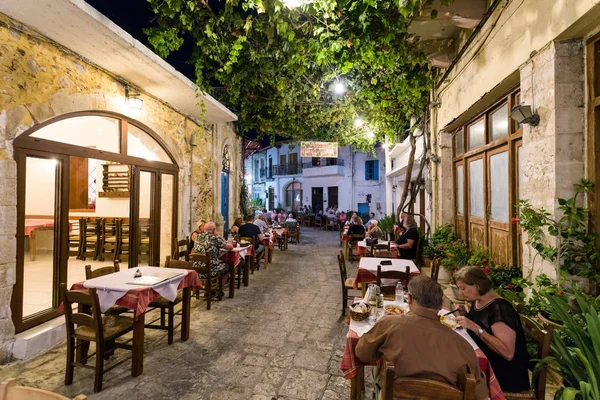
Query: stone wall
(40, 80)
(554, 153)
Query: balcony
(323, 167)
(287, 169)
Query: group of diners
(408, 238)
(420, 347)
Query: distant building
(353, 182)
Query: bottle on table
(399, 293)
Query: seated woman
(374, 231)
(235, 228)
(408, 241)
(495, 326)
(194, 235)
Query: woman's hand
(466, 323)
(462, 310)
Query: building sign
(319, 149)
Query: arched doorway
(225, 186)
(293, 195)
(92, 188)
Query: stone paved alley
(280, 338)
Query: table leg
(232, 282)
(137, 361)
(266, 257)
(346, 249)
(185, 313)
(32, 245)
(357, 384)
(247, 272)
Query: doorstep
(39, 339)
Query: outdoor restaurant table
(362, 248)
(113, 289)
(269, 243)
(233, 258)
(367, 268)
(354, 369)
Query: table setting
(367, 268)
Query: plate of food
(395, 309)
(449, 321)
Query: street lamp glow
(370, 134)
(339, 88)
(358, 122)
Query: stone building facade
(42, 78)
(535, 53)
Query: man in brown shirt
(418, 344)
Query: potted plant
(437, 246)
(386, 224)
(457, 256)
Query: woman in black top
(357, 227)
(408, 241)
(495, 326)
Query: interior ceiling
(82, 29)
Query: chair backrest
(84, 301)
(380, 246)
(435, 269)
(342, 265)
(181, 264)
(542, 336)
(419, 251)
(89, 274)
(248, 239)
(10, 391)
(200, 263)
(420, 388)
(93, 227)
(396, 275)
(181, 249)
(385, 254)
(357, 237)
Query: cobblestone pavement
(280, 338)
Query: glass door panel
(166, 216)
(499, 186)
(39, 254)
(476, 188)
(145, 236)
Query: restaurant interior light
(524, 115)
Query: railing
(267, 172)
(324, 162)
(287, 169)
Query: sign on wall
(319, 149)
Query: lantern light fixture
(523, 114)
(134, 101)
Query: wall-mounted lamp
(194, 139)
(524, 115)
(133, 100)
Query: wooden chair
(542, 336)
(91, 239)
(91, 327)
(293, 233)
(108, 238)
(122, 253)
(76, 238)
(347, 283)
(166, 307)
(331, 224)
(144, 238)
(320, 222)
(420, 388)
(376, 247)
(395, 275)
(10, 391)
(354, 239)
(435, 269)
(181, 249)
(419, 252)
(201, 264)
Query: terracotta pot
(444, 275)
(544, 317)
(426, 262)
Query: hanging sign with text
(319, 149)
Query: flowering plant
(440, 241)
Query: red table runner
(233, 258)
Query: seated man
(417, 343)
(371, 219)
(290, 219)
(209, 243)
(261, 223)
(253, 231)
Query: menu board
(319, 149)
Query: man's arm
(368, 345)
(481, 389)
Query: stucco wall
(39, 81)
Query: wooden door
(477, 223)
(498, 211)
(78, 183)
(518, 232)
(460, 206)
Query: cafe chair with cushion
(420, 388)
(293, 232)
(108, 238)
(347, 283)
(244, 241)
(354, 239)
(396, 276)
(375, 247)
(166, 307)
(181, 249)
(201, 264)
(76, 238)
(91, 239)
(122, 253)
(92, 326)
(10, 391)
(102, 271)
(542, 337)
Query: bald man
(209, 243)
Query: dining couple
(419, 346)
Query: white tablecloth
(242, 250)
(371, 263)
(112, 287)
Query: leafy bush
(481, 258)
(387, 223)
(457, 255)
(440, 240)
